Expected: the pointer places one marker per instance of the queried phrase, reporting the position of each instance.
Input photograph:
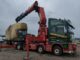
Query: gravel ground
(11, 54)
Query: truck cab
(60, 34)
(59, 29)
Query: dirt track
(11, 54)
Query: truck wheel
(40, 49)
(57, 50)
(23, 48)
(18, 47)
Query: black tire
(57, 50)
(40, 49)
(18, 47)
(8, 42)
(23, 47)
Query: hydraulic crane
(42, 32)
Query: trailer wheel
(40, 49)
(57, 50)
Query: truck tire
(18, 47)
(40, 49)
(57, 50)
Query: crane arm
(33, 7)
(38, 9)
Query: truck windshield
(59, 26)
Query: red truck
(56, 38)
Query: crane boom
(42, 32)
(38, 9)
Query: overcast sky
(68, 9)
